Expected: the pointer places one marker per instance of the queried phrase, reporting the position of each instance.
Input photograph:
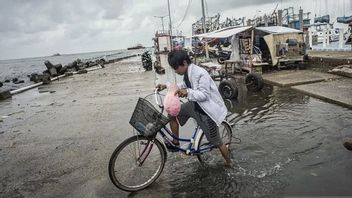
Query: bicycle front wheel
(212, 155)
(136, 163)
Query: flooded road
(291, 146)
(58, 143)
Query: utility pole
(170, 24)
(162, 21)
(205, 30)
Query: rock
(92, 64)
(83, 71)
(46, 79)
(69, 66)
(7, 81)
(58, 67)
(74, 64)
(48, 64)
(34, 78)
(101, 62)
(69, 73)
(5, 94)
(14, 80)
(63, 70)
(80, 66)
(46, 72)
(53, 71)
(19, 81)
(343, 70)
(348, 145)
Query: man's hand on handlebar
(182, 93)
(161, 87)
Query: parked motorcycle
(147, 61)
(223, 56)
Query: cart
(225, 74)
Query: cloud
(37, 27)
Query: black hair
(177, 57)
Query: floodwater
(291, 145)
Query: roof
(277, 30)
(227, 32)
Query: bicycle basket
(146, 119)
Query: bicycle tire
(117, 181)
(202, 158)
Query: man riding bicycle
(205, 103)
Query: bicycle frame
(193, 142)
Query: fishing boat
(138, 46)
(57, 54)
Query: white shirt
(205, 92)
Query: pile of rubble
(57, 70)
(14, 81)
(343, 70)
(54, 72)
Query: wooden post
(300, 15)
(251, 55)
(279, 20)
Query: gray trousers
(209, 127)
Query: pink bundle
(172, 102)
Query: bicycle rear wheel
(136, 163)
(213, 156)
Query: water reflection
(287, 138)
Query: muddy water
(291, 146)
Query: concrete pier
(336, 91)
(331, 88)
(293, 78)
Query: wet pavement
(57, 144)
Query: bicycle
(146, 154)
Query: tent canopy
(226, 32)
(277, 30)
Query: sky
(32, 28)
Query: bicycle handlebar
(157, 97)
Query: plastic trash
(172, 102)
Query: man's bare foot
(228, 164)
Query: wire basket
(146, 119)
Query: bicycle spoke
(135, 174)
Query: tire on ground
(254, 82)
(228, 89)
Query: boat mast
(205, 30)
(170, 24)
(162, 21)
